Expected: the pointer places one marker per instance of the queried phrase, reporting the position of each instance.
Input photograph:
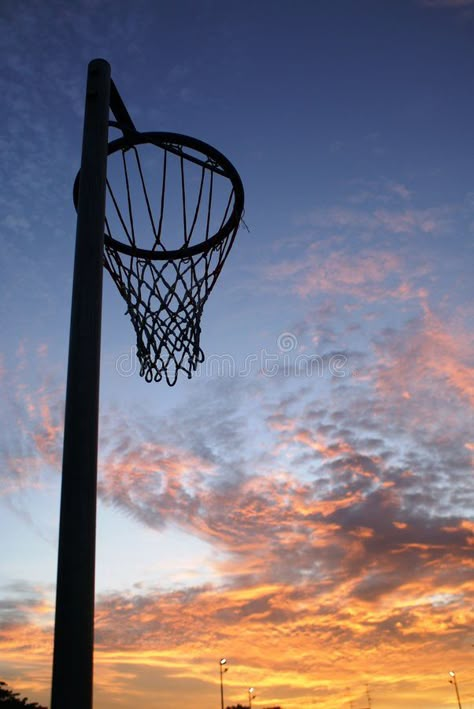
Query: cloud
(377, 247)
(343, 517)
(358, 275)
(378, 269)
(377, 220)
(320, 492)
(400, 190)
(31, 448)
(428, 352)
(307, 475)
(369, 274)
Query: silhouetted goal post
(160, 211)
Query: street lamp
(251, 696)
(454, 681)
(222, 669)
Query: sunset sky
(305, 510)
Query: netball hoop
(174, 205)
(160, 211)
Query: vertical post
(74, 624)
(455, 682)
(222, 669)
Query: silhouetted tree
(12, 700)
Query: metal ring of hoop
(173, 142)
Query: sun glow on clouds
(350, 557)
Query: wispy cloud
(344, 519)
(395, 221)
(31, 447)
(428, 352)
(370, 275)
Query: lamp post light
(222, 669)
(251, 696)
(453, 681)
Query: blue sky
(306, 511)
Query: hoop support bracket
(117, 106)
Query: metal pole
(222, 686)
(74, 625)
(222, 669)
(457, 691)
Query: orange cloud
(431, 353)
(330, 572)
(333, 450)
(371, 275)
(291, 644)
(361, 275)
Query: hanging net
(174, 205)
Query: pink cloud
(333, 450)
(372, 221)
(280, 422)
(324, 541)
(407, 221)
(32, 447)
(431, 353)
(368, 274)
(361, 275)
